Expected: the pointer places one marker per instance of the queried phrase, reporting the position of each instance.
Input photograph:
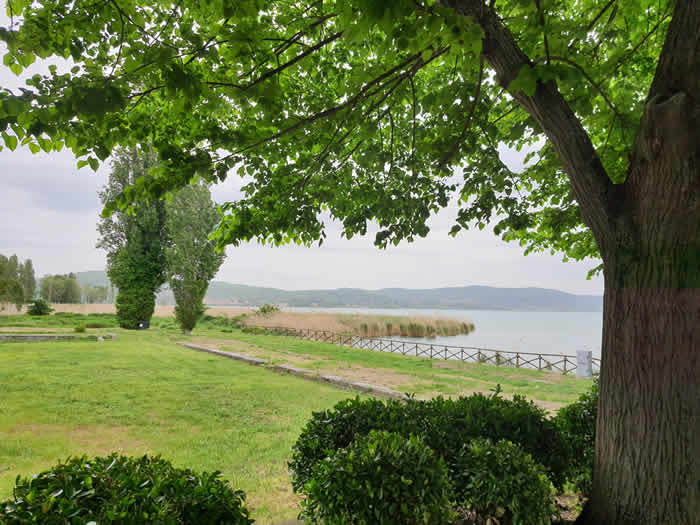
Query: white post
(584, 363)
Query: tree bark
(647, 466)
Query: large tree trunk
(647, 467)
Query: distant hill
(457, 298)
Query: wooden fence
(563, 364)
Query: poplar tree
(135, 239)
(192, 258)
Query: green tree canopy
(363, 108)
(28, 278)
(17, 281)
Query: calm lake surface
(537, 332)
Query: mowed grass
(143, 394)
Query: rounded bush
(39, 307)
(118, 489)
(383, 478)
(445, 425)
(577, 423)
(80, 328)
(330, 430)
(500, 480)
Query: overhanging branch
(591, 185)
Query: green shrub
(80, 328)
(39, 307)
(331, 430)
(500, 480)
(95, 325)
(383, 478)
(118, 489)
(577, 423)
(267, 309)
(445, 425)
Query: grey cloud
(52, 181)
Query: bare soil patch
(373, 376)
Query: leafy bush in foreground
(499, 480)
(80, 328)
(445, 425)
(382, 479)
(577, 423)
(39, 307)
(118, 489)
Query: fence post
(584, 363)
(517, 360)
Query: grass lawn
(142, 394)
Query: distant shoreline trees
(17, 281)
(62, 289)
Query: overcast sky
(49, 210)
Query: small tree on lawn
(192, 258)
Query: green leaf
(526, 81)
(10, 141)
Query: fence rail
(561, 363)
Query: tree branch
(588, 77)
(591, 185)
(467, 123)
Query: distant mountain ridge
(455, 298)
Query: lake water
(537, 332)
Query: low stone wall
(33, 338)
